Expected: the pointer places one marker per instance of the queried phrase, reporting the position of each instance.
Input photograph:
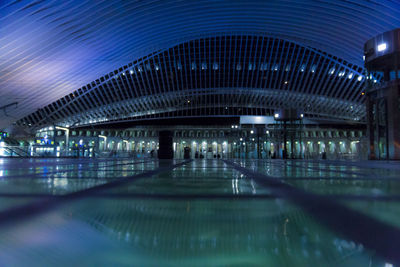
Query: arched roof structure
(49, 49)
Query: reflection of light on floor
(235, 187)
(61, 182)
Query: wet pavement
(124, 212)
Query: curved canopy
(216, 76)
(48, 49)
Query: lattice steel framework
(224, 75)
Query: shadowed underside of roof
(50, 48)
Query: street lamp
(105, 140)
(66, 136)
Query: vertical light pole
(105, 141)
(66, 136)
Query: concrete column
(165, 145)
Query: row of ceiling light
(263, 67)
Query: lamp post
(105, 140)
(66, 137)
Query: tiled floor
(123, 212)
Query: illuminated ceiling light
(363, 58)
(251, 131)
(350, 75)
(332, 71)
(286, 82)
(301, 115)
(276, 115)
(359, 78)
(131, 71)
(375, 81)
(382, 47)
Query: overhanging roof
(48, 49)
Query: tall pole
(284, 141)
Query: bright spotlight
(382, 47)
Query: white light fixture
(382, 47)
(251, 131)
(276, 115)
(359, 78)
(350, 75)
(301, 115)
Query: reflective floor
(123, 212)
